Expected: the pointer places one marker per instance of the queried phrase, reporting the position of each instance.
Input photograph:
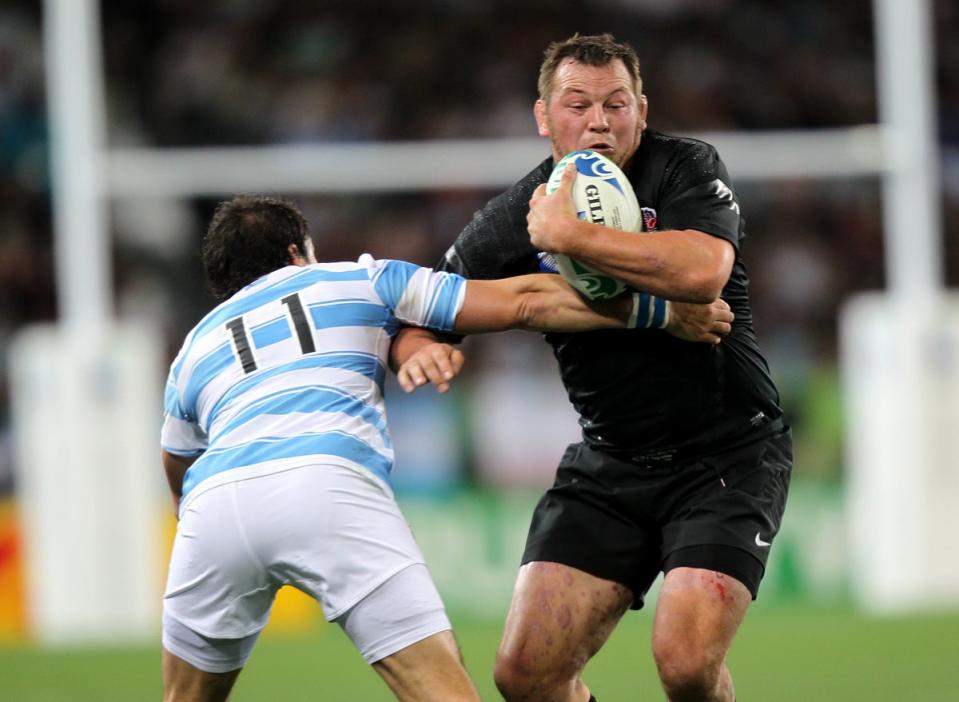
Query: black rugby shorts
(625, 522)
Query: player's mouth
(602, 147)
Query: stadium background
(469, 464)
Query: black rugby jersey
(644, 392)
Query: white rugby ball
(601, 195)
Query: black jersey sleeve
(495, 244)
(697, 194)
(475, 254)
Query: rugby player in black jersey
(685, 460)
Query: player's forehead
(598, 82)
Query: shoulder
(514, 199)
(676, 161)
(388, 273)
(334, 265)
(675, 145)
(496, 237)
(375, 268)
(503, 209)
(671, 150)
(336, 273)
(410, 290)
(529, 182)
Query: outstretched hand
(549, 215)
(436, 363)
(702, 323)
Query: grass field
(781, 655)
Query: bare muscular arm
(683, 265)
(541, 302)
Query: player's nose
(598, 120)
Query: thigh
(595, 519)
(210, 655)
(183, 682)
(216, 586)
(560, 617)
(428, 670)
(738, 502)
(332, 532)
(697, 615)
(399, 613)
(401, 628)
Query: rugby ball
(601, 195)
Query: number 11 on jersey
(242, 345)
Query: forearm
(540, 302)
(685, 266)
(550, 304)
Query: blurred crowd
(237, 72)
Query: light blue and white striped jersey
(290, 370)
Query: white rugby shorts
(328, 530)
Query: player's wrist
(569, 238)
(649, 312)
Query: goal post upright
(85, 391)
(906, 101)
(900, 348)
(76, 115)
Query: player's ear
(539, 112)
(642, 107)
(295, 255)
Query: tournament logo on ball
(602, 195)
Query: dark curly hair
(248, 237)
(591, 50)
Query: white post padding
(86, 423)
(900, 368)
